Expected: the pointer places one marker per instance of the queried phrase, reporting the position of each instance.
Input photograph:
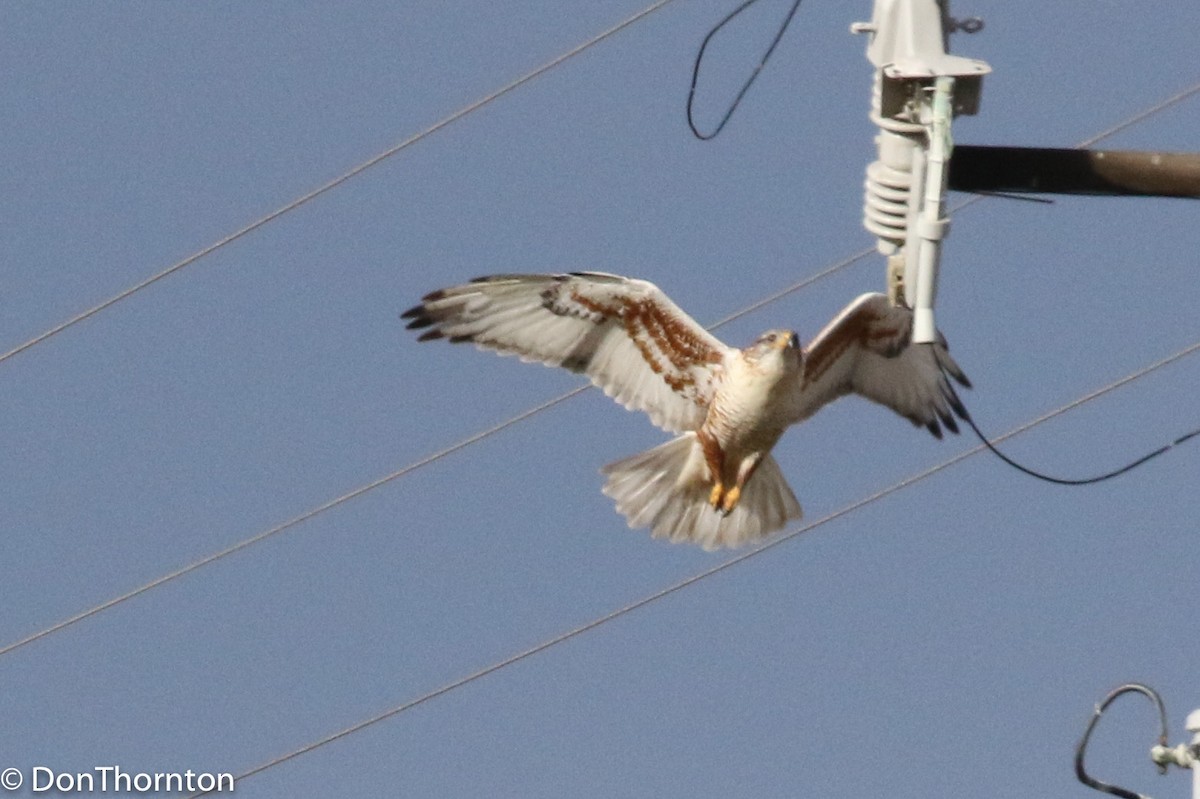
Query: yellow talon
(731, 499)
(714, 497)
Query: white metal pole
(931, 225)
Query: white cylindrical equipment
(918, 89)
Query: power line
(848, 261)
(198, 564)
(1174, 99)
(290, 523)
(696, 578)
(340, 179)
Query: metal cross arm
(1040, 170)
(918, 89)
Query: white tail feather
(666, 489)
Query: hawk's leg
(745, 472)
(715, 458)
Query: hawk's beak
(785, 342)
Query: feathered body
(717, 483)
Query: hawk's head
(773, 341)
(775, 346)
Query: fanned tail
(666, 489)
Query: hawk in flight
(716, 484)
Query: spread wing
(867, 350)
(626, 335)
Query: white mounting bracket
(1183, 755)
(919, 88)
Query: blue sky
(948, 640)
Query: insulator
(885, 210)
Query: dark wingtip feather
(957, 406)
(958, 374)
(949, 422)
(459, 339)
(948, 366)
(430, 335)
(417, 318)
(932, 426)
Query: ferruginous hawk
(716, 484)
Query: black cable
(753, 75)
(1005, 195)
(1050, 478)
(1081, 772)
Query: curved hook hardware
(1105, 787)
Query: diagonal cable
(335, 182)
(1174, 99)
(704, 575)
(290, 523)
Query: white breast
(743, 415)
